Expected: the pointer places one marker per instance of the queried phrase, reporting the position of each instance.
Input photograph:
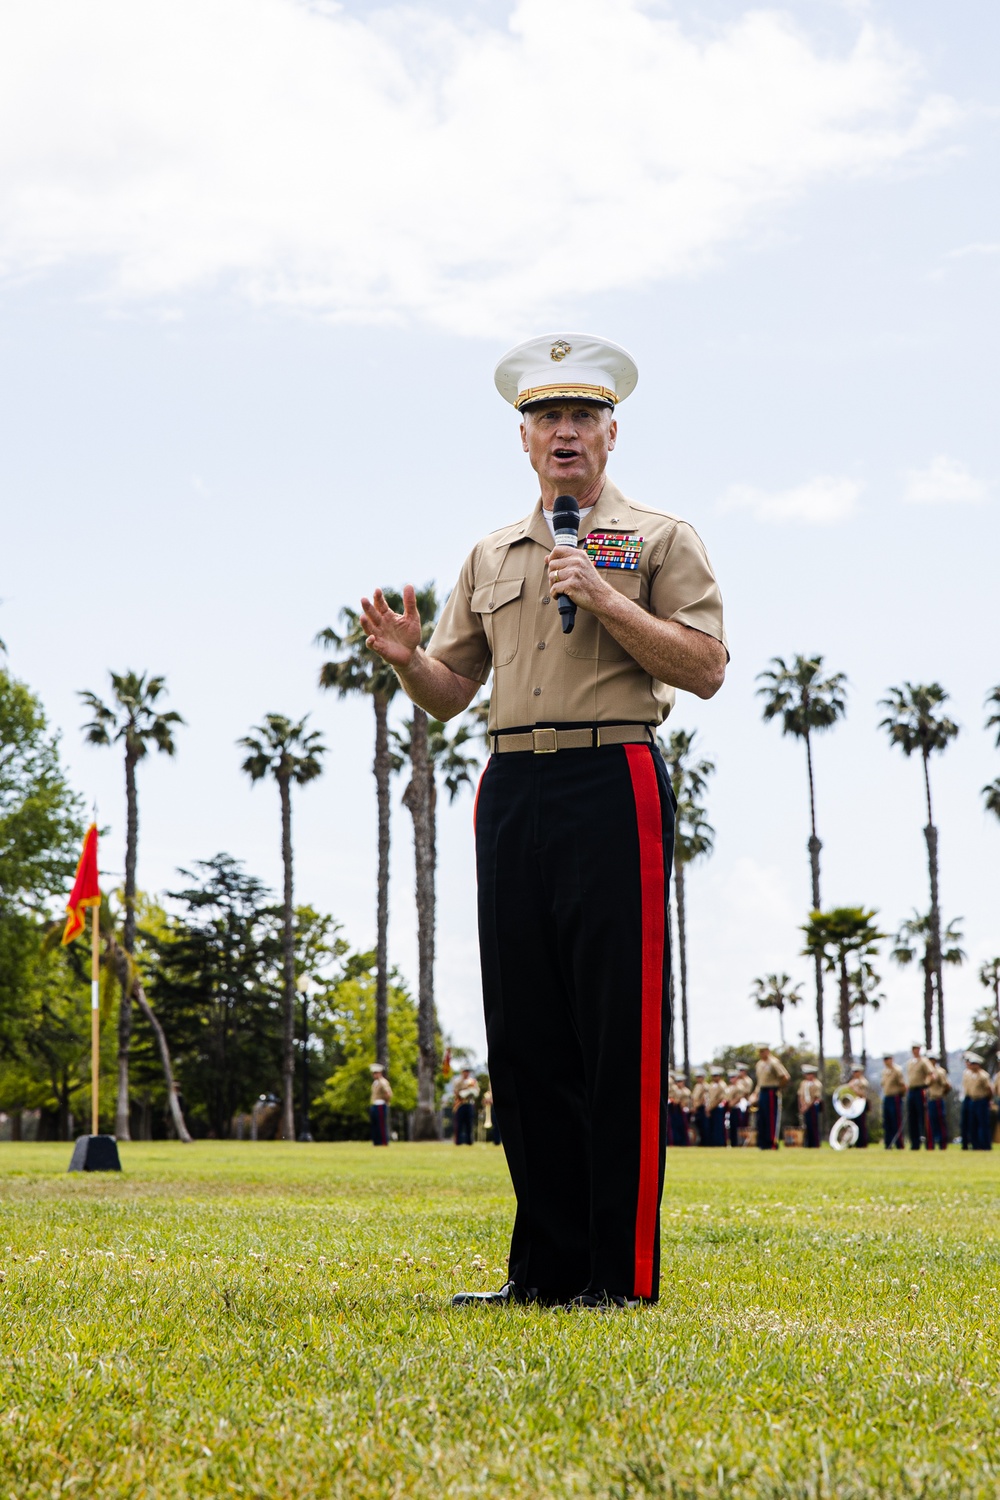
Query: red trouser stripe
(648, 818)
(475, 804)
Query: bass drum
(844, 1135)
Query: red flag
(446, 1064)
(86, 891)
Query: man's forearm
(434, 687)
(675, 654)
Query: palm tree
(431, 752)
(290, 753)
(775, 992)
(989, 978)
(915, 723)
(358, 670)
(806, 703)
(914, 938)
(133, 719)
(837, 935)
(694, 838)
(991, 792)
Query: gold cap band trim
(565, 393)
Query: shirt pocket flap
(627, 581)
(491, 596)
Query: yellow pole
(95, 1023)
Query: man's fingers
(410, 603)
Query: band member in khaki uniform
(893, 1086)
(858, 1084)
(378, 1111)
(810, 1104)
(735, 1114)
(978, 1091)
(465, 1096)
(698, 1112)
(574, 819)
(684, 1106)
(772, 1075)
(919, 1073)
(937, 1092)
(715, 1106)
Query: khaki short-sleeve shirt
(500, 616)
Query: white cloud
(818, 502)
(945, 481)
(403, 165)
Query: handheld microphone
(566, 526)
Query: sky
(258, 259)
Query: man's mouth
(565, 453)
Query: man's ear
(524, 437)
(612, 434)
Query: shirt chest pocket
(589, 638)
(498, 605)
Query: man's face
(568, 442)
(916, 1051)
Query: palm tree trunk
(928, 998)
(288, 967)
(383, 771)
(682, 949)
(122, 1123)
(672, 1058)
(845, 1019)
(781, 1025)
(814, 847)
(931, 837)
(419, 802)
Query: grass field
(272, 1320)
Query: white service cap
(566, 367)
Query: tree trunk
(682, 950)
(672, 1057)
(781, 1025)
(419, 802)
(128, 978)
(288, 967)
(383, 771)
(847, 1055)
(931, 836)
(814, 847)
(928, 998)
(122, 1124)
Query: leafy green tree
(806, 703)
(133, 720)
(837, 936)
(912, 942)
(694, 838)
(915, 722)
(351, 1006)
(290, 753)
(989, 978)
(357, 670)
(776, 992)
(431, 753)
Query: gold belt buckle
(544, 749)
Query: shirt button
(537, 692)
(541, 645)
(546, 600)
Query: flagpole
(95, 1022)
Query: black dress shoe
(602, 1302)
(511, 1294)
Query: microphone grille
(566, 510)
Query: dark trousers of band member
(982, 1125)
(892, 1121)
(862, 1123)
(810, 1119)
(465, 1124)
(937, 1123)
(573, 853)
(378, 1114)
(701, 1125)
(735, 1121)
(768, 1108)
(916, 1119)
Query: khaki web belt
(548, 741)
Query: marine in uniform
(465, 1094)
(698, 1113)
(772, 1075)
(978, 1091)
(937, 1092)
(893, 1086)
(574, 820)
(858, 1084)
(378, 1110)
(491, 1120)
(677, 1107)
(715, 1106)
(735, 1106)
(919, 1073)
(810, 1104)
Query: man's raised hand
(393, 637)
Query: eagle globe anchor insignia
(849, 1106)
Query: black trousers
(892, 1121)
(916, 1119)
(378, 1115)
(768, 1110)
(811, 1121)
(573, 852)
(465, 1124)
(937, 1123)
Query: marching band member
(937, 1091)
(715, 1107)
(772, 1075)
(378, 1112)
(698, 1111)
(810, 1104)
(919, 1073)
(858, 1084)
(893, 1089)
(978, 1091)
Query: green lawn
(272, 1320)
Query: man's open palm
(393, 637)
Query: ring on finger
(556, 575)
